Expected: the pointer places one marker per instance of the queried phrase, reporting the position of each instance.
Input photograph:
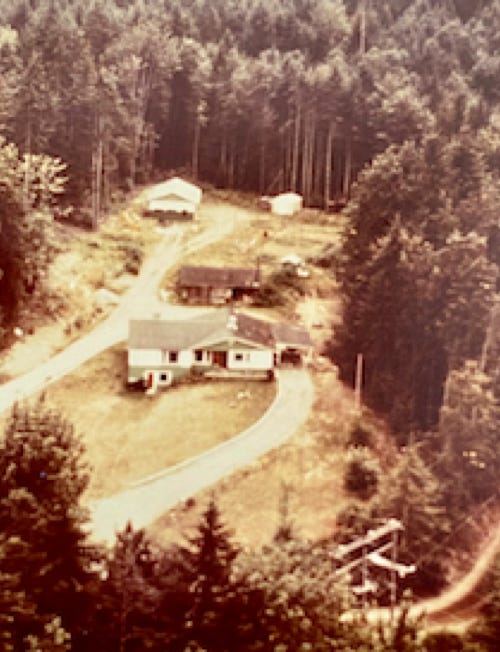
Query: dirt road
(149, 499)
(140, 300)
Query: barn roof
(176, 188)
(221, 277)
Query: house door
(219, 359)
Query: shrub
(362, 473)
(133, 255)
(280, 286)
(360, 436)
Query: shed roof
(222, 277)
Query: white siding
(254, 360)
(185, 359)
(144, 358)
(158, 358)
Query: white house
(174, 199)
(222, 343)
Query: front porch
(242, 374)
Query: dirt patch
(129, 435)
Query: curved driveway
(149, 499)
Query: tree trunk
(318, 163)
(222, 160)
(362, 28)
(305, 157)
(262, 164)
(328, 166)
(196, 148)
(295, 153)
(97, 177)
(231, 166)
(27, 169)
(347, 166)
(308, 156)
(105, 173)
(287, 175)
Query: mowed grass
(309, 466)
(129, 435)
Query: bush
(280, 286)
(360, 436)
(133, 255)
(353, 521)
(362, 473)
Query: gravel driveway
(149, 499)
(140, 301)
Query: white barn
(175, 199)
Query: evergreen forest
(385, 110)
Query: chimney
(232, 322)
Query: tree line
(251, 95)
(60, 592)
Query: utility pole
(394, 557)
(364, 576)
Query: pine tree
(128, 597)
(207, 573)
(42, 477)
(412, 494)
(468, 428)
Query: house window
(163, 378)
(198, 355)
(238, 357)
(173, 356)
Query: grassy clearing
(129, 435)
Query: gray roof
(217, 326)
(293, 336)
(173, 335)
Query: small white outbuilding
(286, 203)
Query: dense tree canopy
(323, 86)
